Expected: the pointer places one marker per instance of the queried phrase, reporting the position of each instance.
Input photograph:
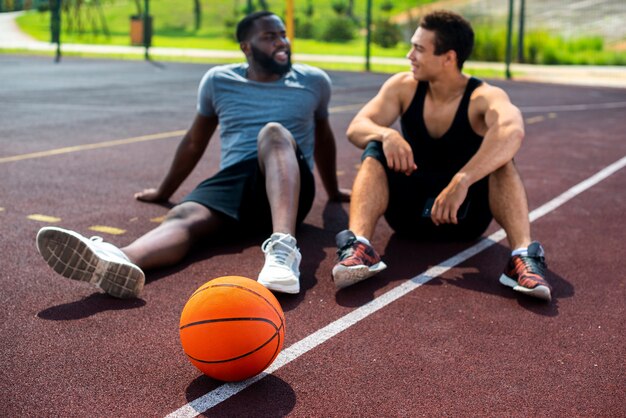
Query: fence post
(147, 29)
(509, 41)
(291, 27)
(55, 27)
(520, 40)
(368, 34)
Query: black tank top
(441, 157)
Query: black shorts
(409, 196)
(239, 192)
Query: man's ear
(245, 48)
(451, 57)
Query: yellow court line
(107, 229)
(105, 144)
(43, 218)
(535, 119)
(126, 141)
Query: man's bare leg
(171, 241)
(279, 164)
(370, 196)
(525, 271)
(509, 205)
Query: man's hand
(341, 195)
(447, 204)
(150, 195)
(398, 153)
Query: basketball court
(435, 334)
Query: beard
(269, 64)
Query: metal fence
(576, 32)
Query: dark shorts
(408, 197)
(239, 193)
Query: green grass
(174, 27)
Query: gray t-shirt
(244, 106)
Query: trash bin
(137, 32)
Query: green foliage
(340, 7)
(305, 29)
(386, 33)
(338, 29)
(489, 44)
(320, 29)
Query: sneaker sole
(347, 276)
(540, 291)
(293, 289)
(68, 254)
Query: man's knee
(371, 163)
(508, 170)
(190, 212)
(275, 134)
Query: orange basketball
(232, 328)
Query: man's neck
(255, 73)
(447, 88)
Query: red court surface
(79, 138)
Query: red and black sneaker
(357, 260)
(525, 273)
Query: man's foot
(90, 260)
(357, 260)
(281, 271)
(525, 273)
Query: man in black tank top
(450, 171)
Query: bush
(338, 29)
(489, 44)
(386, 34)
(305, 29)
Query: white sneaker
(90, 260)
(281, 271)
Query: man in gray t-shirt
(273, 120)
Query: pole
(291, 33)
(249, 7)
(55, 27)
(368, 35)
(520, 40)
(509, 41)
(147, 29)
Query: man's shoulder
(226, 71)
(403, 79)
(308, 71)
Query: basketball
(232, 328)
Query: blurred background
(547, 32)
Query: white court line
(222, 393)
(573, 107)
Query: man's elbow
(517, 135)
(352, 132)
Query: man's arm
(373, 122)
(188, 153)
(502, 139)
(326, 160)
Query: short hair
(245, 25)
(452, 32)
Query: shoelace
(280, 252)
(536, 265)
(347, 250)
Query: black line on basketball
(241, 288)
(276, 334)
(208, 321)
